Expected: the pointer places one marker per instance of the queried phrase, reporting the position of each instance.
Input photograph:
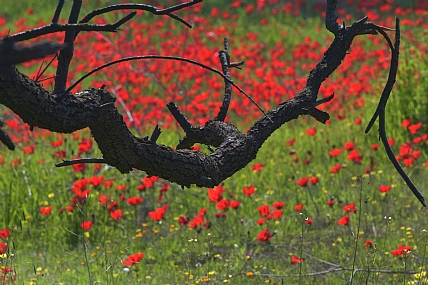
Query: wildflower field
(321, 204)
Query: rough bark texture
(94, 108)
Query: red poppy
(258, 167)
(278, 205)
(57, 143)
(29, 149)
(159, 213)
(375, 146)
(103, 199)
(311, 132)
(136, 200)
(79, 167)
(261, 221)
(108, 184)
(336, 168)
(235, 204)
(264, 210)
(331, 202)
(223, 205)
(357, 121)
(202, 212)
(290, 143)
(384, 188)
(183, 220)
(295, 260)
(249, 191)
(313, 180)
(344, 221)
(354, 156)
(351, 208)
(298, 207)
(277, 214)
(215, 195)
(3, 247)
(349, 146)
(197, 220)
(303, 181)
(133, 259)
(406, 122)
(414, 128)
(401, 251)
(368, 243)
(334, 152)
(309, 222)
(116, 214)
(264, 235)
(86, 225)
(4, 233)
(96, 180)
(121, 187)
(45, 211)
(85, 145)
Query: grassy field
(321, 204)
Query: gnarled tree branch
(94, 108)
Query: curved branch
(94, 108)
(54, 28)
(143, 7)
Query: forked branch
(94, 108)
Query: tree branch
(95, 108)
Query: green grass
(54, 249)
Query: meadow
(321, 204)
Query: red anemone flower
(46, 211)
(223, 205)
(368, 243)
(4, 233)
(278, 205)
(235, 204)
(264, 235)
(86, 225)
(344, 221)
(3, 247)
(351, 208)
(136, 200)
(248, 191)
(303, 181)
(258, 167)
(295, 260)
(384, 188)
(116, 214)
(311, 132)
(298, 207)
(401, 251)
(183, 220)
(133, 259)
(159, 213)
(334, 152)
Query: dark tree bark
(63, 112)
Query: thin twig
(380, 111)
(54, 28)
(168, 58)
(80, 160)
(57, 11)
(225, 63)
(179, 117)
(143, 7)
